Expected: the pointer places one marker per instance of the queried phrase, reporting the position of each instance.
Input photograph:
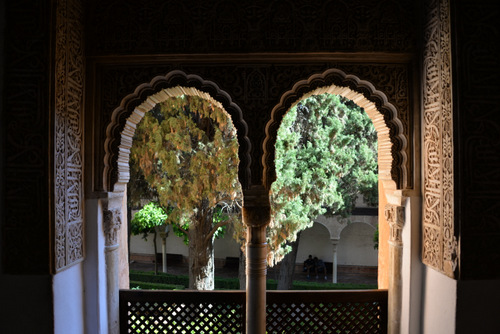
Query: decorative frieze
(439, 241)
(257, 87)
(68, 160)
(219, 26)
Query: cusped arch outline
(132, 108)
(392, 141)
(335, 227)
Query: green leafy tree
(326, 156)
(146, 221)
(187, 151)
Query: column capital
(112, 222)
(256, 196)
(395, 216)
(334, 241)
(256, 208)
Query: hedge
(233, 283)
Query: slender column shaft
(256, 216)
(395, 217)
(395, 288)
(334, 266)
(111, 224)
(112, 283)
(256, 280)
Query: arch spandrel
(124, 119)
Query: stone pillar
(111, 223)
(256, 215)
(335, 243)
(395, 217)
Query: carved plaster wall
(255, 51)
(193, 26)
(256, 87)
(68, 156)
(439, 241)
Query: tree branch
(215, 228)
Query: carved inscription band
(69, 83)
(439, 241)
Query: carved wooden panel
(220, 26)
(439, 241)
(25, 150)
(68, 159)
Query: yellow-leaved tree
(186, 149)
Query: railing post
(256, 215)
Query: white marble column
(335, 243)
(394, 215)
(112, 223)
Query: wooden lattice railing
(224, 311)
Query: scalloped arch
(125, 118)
(391, 137)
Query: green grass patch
(154, 286)
(165, 279)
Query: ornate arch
(335, 227)
(132, 108)
(392, 140)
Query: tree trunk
(201, 256)
(287, 267)
(242, 272)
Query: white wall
(439, 301)
(140, 246)
(315, 241)
(356, 246)
(69, 304)
(225, 247)
(94, 274)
